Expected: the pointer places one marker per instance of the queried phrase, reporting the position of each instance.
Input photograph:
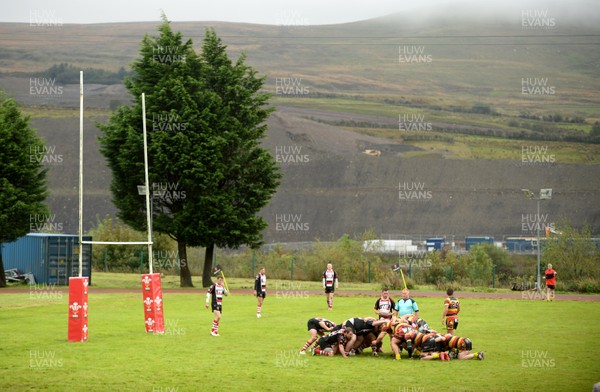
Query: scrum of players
(407, 333)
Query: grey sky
(282, 12)
(298, 12)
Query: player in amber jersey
(387, 329)
(400, 330)
(416, 341)
(418, 323)
(460, 347)
(451, 309)
(426, 345)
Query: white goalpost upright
(148, 209)
(78, 286)
(80, 174)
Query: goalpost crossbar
(117, 242)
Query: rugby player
(451, 309)
(334, 343)
(460, 348)
(330, 283)
(384, 305)
(316, 327)
(214, 295)
(260, 289)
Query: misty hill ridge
(475, 59)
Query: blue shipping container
(434, 243)
(520, 245)
(471, 241)
(51, 258)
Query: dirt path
(526, 295)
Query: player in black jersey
(214, 295)
(335, 342)
(316, 327)
(260, 289)
(365, 330)
(330, 283)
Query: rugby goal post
(78, 286)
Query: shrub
(127, 257)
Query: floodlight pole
(148, 212)
(545, 194)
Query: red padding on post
(154, 318)
(78, 309)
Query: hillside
(331, 187)
(353, 84)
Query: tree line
(65, 73)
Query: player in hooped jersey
(451, 309)
(330, 283)
(260, 289)
(400, 328)
(460, 348)
(215, 295)
(316, 327)
(427, 345)
(417, 323)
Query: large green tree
(245, 174)
(22, 176)
(208, 173)
(167, 72)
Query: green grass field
(529, 346)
